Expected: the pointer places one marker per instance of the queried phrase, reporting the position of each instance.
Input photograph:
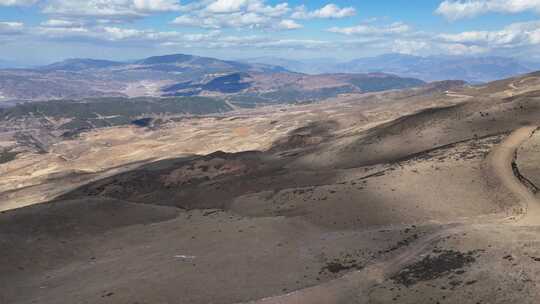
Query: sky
(36, 32)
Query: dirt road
(501, 161)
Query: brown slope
(476, 118)
(287, 223)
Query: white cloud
(17, 2)
(106, 34)
(110, 9)
(63, 32)
(236, 20)
(394, 28)
(127, 37)
(294, 43)
(102, 23)
(516, 38)
(411, 47)
(157, 5)
(250, 14)
(517, 34)
(288, 24)
(459, 9)
(405, 40)
(260, 7)
(188, 20)
(462, 49)
(11, 28)
(227, 6)
(329, 11)
(202, 37)
(253, 6)
(60, 23)
(116, 34)
(454, 10)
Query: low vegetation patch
(7, 156)
(433, 267)
(113, 111)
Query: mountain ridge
(185, 75)
(474, 69)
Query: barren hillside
(422, 195)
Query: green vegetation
(353, 84)
(377, 84)
(295, 95)
(112, 111)
(248, 100)
(7, 156)
(288, 96)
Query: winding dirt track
(354, 287)
(501, 159)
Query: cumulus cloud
(156, 5)
(250, 14)
(17, 2)
(516, 34)
(216, 14)
(64, 33)
(60, 23)
(459, 9)
(209, 14)
(462, 49)
(227, 6)
(410, 47)
(405, 40)
(11, 28)
(249, 6)
(294, 43)
(234, 20)
(106, 22)
(111, 9)
(515, 38)
(119, 36)
(68, 31)
(260, 7)
(288, 24)
(329, 11)
(109, 34)
(394, 28)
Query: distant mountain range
(433, 68)
(181, 75)
(263, 80)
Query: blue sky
(41, 31)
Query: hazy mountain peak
(166, 59)
(473, 69)
(78, 64)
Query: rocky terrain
(423, 195)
